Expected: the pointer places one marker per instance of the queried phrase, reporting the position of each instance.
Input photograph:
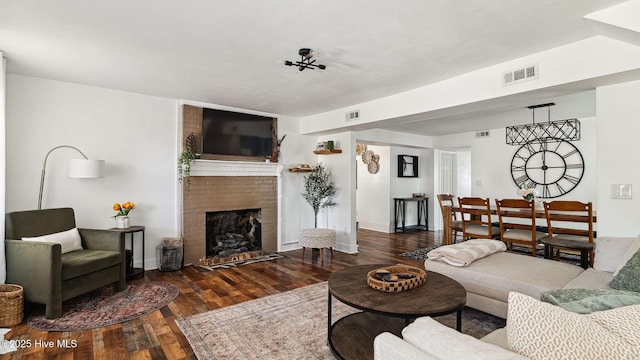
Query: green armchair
(48, 276)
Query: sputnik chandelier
(568, 129)
(306, 60)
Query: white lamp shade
(86, 168)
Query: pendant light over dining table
(568, 129)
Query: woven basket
(11, 305)
(401, 284)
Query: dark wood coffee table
(351, 337)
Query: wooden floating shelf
(300, 170)
(327, 152)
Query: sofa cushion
(586, 301)
(495, 275)
(590, 279)
(497, 337)
(443, 342)
(628, 254)
(628, 277)
(69, 240)
(388, 346)
(610, 252)
(78, 263)
(543, 331)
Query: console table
(135, 272)
(400, 211)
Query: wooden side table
(131, 230)
(585, 248)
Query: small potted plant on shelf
(184, 167)
(319, 189)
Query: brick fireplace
(226, 183)
(229, 186)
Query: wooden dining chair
(517, 220)
(446, 200)
(570, 220)
(476, 219)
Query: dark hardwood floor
(156, 335)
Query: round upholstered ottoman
(317, 238)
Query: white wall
(618, 127)
(3, 265)
(342, 216)
(135, 134)
(373, 196)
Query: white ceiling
(230, 52)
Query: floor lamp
(78, 168)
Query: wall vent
(481, 134)
(352, 115)
(519, 75)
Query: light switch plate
(621, 191)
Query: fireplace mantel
(235, 168)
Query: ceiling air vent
(481, 134)
(519, 75)
(352, 115)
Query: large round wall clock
(552, 166)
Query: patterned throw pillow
(628, 277)
(624, 322)
(543, 331)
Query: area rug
(289, 325)
(418, 254)
(231, 264)
(103, 307)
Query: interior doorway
(454, 176)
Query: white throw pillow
(635, 246)
(543, 331)
(69, 240)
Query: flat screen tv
(232, 133)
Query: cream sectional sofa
(488, 282)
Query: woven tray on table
(396, 278)
(11, 304)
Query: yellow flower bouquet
(123, 210)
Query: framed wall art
(407, 166)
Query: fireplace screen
(233, 232)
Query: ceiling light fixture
(568, 129)
(306, 60)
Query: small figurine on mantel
(275, 155)
(191, 144)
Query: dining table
(447, 219)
